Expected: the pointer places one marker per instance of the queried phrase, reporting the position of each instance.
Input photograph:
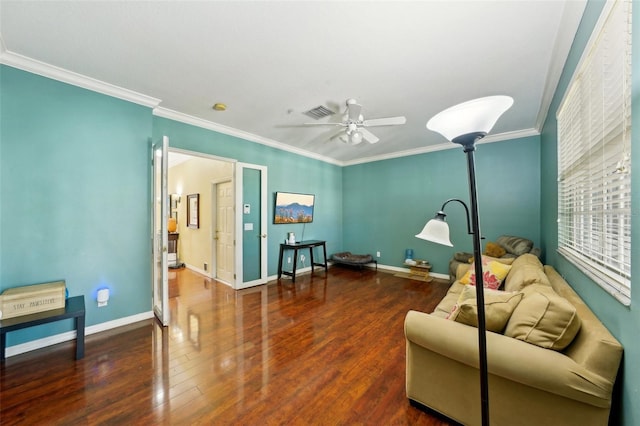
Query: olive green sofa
(529, 384)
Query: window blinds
(594, 157)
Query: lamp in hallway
(465, 124)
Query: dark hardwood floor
(327, 350)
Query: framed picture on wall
(193, 212)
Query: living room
(75, 192)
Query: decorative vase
(172, 224)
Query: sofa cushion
(515, 245)
(494, 250)
(498, 308)
(493, 273)
(526, 270)
(448, 302)
(543, 318)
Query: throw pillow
(493, 273)
(506, 260)
(515, 245)
(494, 250)
(544, 318)
(498, 306)
(526, 270)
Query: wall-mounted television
(291, 207)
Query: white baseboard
(71, 335)
(198, 270)
(370, 266)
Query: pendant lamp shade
(476, 116)
(436, 231)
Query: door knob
(263, 235)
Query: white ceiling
(270, 61)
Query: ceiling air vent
(319, 112)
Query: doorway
(222, 245)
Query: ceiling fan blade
(388, 121)
(368, 136)
(325, 124)
(354, 111)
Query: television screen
(293, 208)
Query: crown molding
(571, 17)
(210, 125)
(40, 68)
(441, 147)
(46, 70)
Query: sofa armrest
(509, 358)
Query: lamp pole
(468, 142)
(465, 124)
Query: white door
(160, 235)
(224, 232)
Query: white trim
(40, 68)
(604, 14)
(46, 70)
(198, 270)
(210, 125)
(441, 147)
(571, 17)
(71, 335)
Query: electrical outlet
(302, 257)
(377, 254)
(289, 259)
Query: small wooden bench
(74, 308)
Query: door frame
(159, 240)
(239, 226)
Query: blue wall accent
(74, 198)
(622, 321)
(386, 203)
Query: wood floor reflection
(328, 349)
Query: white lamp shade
(478, 115)
(356, 138)
(436, 231)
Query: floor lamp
(465, 124)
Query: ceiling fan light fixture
(356, 138)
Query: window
(594, 157)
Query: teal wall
(74, 180)
(74, 195)
(622, 321)
(75, 192)
(250, 243)
(286, 172)
(386, 203)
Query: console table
(73, 308)
(309, 244)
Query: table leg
(311, 257)
(280, 262)
(80, 337)
(324, 252)
(295, 263)
(3, 343)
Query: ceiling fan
(354, 125)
